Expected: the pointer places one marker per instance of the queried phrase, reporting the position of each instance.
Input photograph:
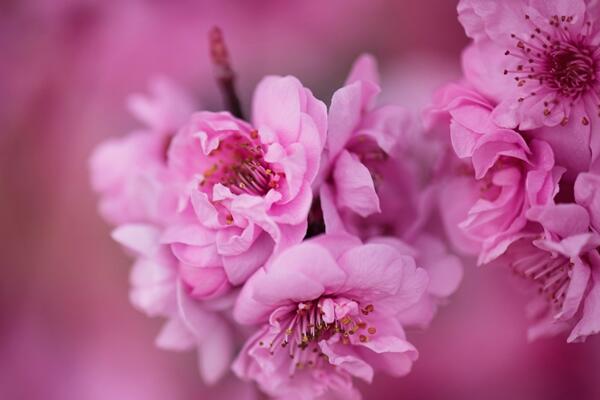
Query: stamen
(550, 275)
(238, 163)
(559, 64)
(305, 328)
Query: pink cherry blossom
(158, 291)
(407, 205)
(369, 188)
(137, 193)
(327, 310)
(539, 62)
(484, 201)
(246, 189)
(561, 261)
(130, 172)
(386, 143)
(560, 274)
(565, 274)
(359, 139)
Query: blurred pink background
(67, 330)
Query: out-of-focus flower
(359, 139)
(158, 291)
(247, 189)
(565, 273)
(484, 203)
(539, 62)
(524, 120)
(131, 172)
(562, 262)
(385, 193)
(132, 176)
(328, 310)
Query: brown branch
(223, 71)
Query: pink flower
(327, 311)
(563, 264)
(502, 175)
(246, 189)
(539, 62)
(407, 201)
(359, 140)
(387, 190)
(137, 191)
(130, 172)
(158, 291)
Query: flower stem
(223, 71)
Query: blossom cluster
(291, 249)
(298, 248)
(522, 188)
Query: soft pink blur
(67, 330)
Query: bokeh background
(67, 330)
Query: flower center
(570, 70)
(304, 327)
(556, 64)
(238, 163)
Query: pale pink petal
(277, 104)
(340, 356)
(239, 267)
(141, 238)
(354, 186)
(175, 335)
(344, 116)
(364, 69)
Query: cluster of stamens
(560, 64)
(550, 274)
(238, 163)
(306, 327)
